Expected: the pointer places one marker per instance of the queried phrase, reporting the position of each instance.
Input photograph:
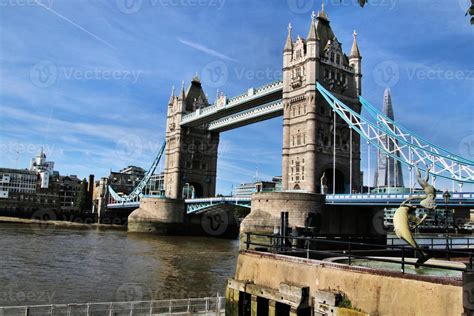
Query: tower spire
(289, 41)
(312, 35)
(322, 13)
(355, 48)
(183, 96)
(172, 96)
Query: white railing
(234, 101)
(393, 196)
(220, 199)
(246, 115)
(193, 306)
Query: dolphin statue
(401, 226)
(401, 221)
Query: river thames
(63, 265)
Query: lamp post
(446, 197)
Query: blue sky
(89, 80)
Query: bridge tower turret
(308, 120)
(355, 61)
(191, 153)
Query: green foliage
(82, 199)
(470, 11)
(346, 303)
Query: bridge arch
(342, 180)
(192, 190)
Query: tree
(82, 199)
(470, 11)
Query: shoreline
(60, 224)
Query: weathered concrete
(373, 291)
(157, 215)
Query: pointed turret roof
(194, 94)
(323, 29)
(172, 96)
(355, 48)
(312, 34)
(322, 13)
(289, 41)
(182, 94)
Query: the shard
(389, 170)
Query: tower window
(338, 59)
(332, 57)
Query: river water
(65, 265)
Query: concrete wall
(389, 293)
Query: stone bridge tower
(308, 119)
(191, 153)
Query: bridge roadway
(194, 206)
(257, 104)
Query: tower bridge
(319, 100)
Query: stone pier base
(157, 215)
(308, 214)
(302, 208)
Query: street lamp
(446, 197)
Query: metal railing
(191, 306)
(448, 242)
(308, 247)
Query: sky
(89, 81)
